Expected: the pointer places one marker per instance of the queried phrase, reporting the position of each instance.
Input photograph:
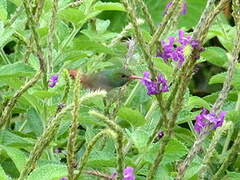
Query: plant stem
(12, 102)
(229, 159)
(51, 35)
(43, 141)
(211, 149)
(72, 138)
(86, 154)
(118, 130)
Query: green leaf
(164, 68)
(3, 176)
(197, 102)
(232, 176)
(102, 25)
(220, 78)
(109, 6)
(5, 34)
(3, 10)
(73, 15)
(18, 69)
(194, 11)
(10, 139)
(216, 56)
(17, 156)
(102, 159)
(44, 94)
(193, 169)
(134, 117)
(16, 2)
(34, 122)
(84, 43)
(48, 172)
(140, 139)
(175, 150)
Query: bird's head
(118, 77)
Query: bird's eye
(123, 76)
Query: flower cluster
(128, 173)
(154, 87)
(183, 10)
(205, 118)
(53, 81)
(174, 48)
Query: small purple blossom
(128, 173)
(205, 118)
(154, 87)
(63, 178)
(53, 81)
(160, 134)
(183, 10)
(58, 150)
(174, 47)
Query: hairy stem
(12, 102)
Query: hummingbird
(105, 79)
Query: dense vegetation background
(53, 128)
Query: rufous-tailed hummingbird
(106, 79)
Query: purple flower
(128, 173)
(160, 134)
(154, 87)
(174, 48)
(63, 178)
(53, 81)
(58, 150)
(183, 10)
(205, 119)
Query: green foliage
(49, 172)
(134, 117)
(91, 36)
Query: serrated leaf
(3, 175)
(215, 55)
(164, 68)
(109, 6)
(101, 159)
(73, 15)
(139, 138)
(16, 2)
(102, 25)
(194, 11)
(10, 139)
(18, 69)
(232, 176)
(5, 34)
(193, 169)
(34, 122)
(220, 78)
(134, 117)
(84, 43)
(3, 10)
(44, 94)
(174, 151)
(17, 156)
(197, 102)
(48, 172)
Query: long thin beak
(134, 77)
